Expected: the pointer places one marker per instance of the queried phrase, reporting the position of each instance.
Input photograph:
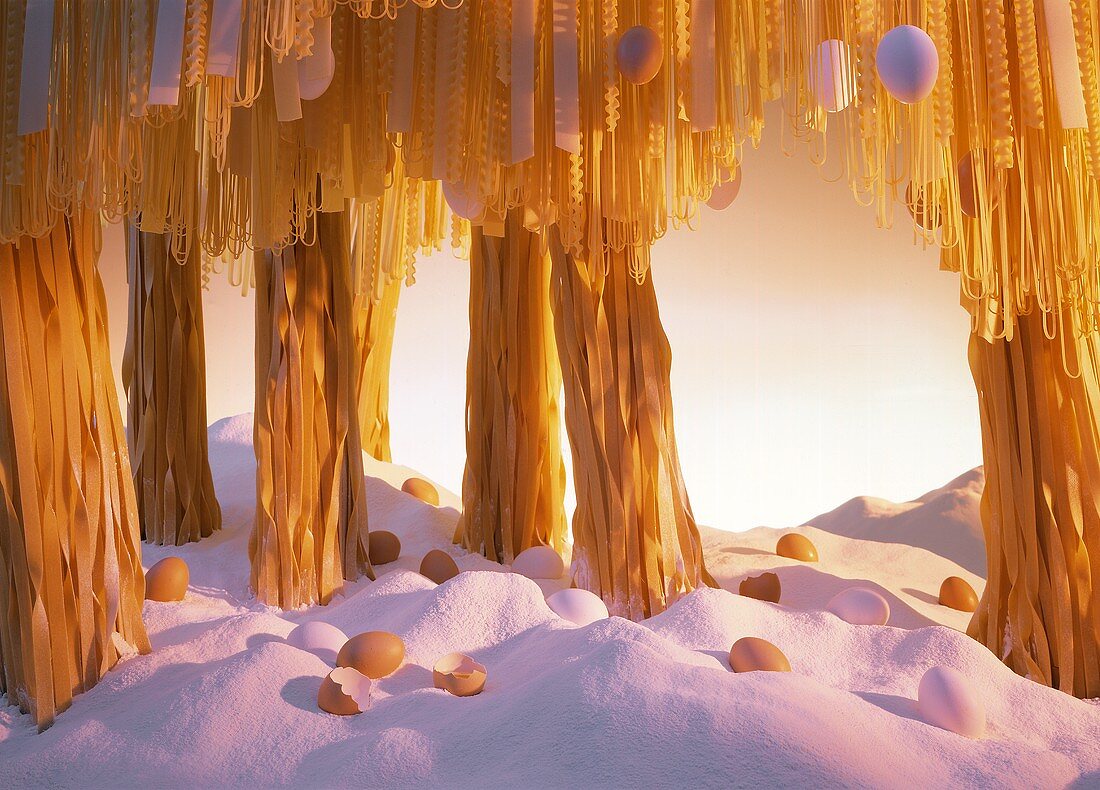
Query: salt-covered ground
(223, 700)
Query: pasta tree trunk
(311, 516)
(72, 586)
(1040, 612)
(635, 540)
(164, 370)
(513, 488)
(375, 321)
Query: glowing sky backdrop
(815, 357)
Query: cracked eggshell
(752, 654)
(422, 490)
(765, 587)
(459, 674)
(860, 606)
(167, 580)
(321, 639)
(578, 606)
(439, 566)
(374, 653)
(539, 562)
(345, 692)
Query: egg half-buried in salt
(345, 691)
(907, 63)
(459, 674)
(957, 593)
(724, 193)
(832, 78)
(321, 639)
(439, 566)
(384, 547)
(860, 606)
(167, 580)
(946, 698)
(422, 490)
(765, 587)
(638, 54)
(539, 562)
(796, 547)
(375, 653)
(578, 606)
(751, 654)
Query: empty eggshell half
(860, 606)
(384, 547)
(421, 489)
(578, 606)
(796, 547)
(765, 587)
(374, 653)
(459, 674)
(539, 562)
(947, 699)
(439, 566)
(751, 654)
(957, 593)
(345, 692)
(167, 580)
(321, 639)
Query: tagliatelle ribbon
(225, 38)
(522, 86)
(1064, 64)
(34, 83)
(703, 104)
(164, 80)
(567, 104)
(399, 109)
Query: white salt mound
(947, 699)
(539, 562)
(578, 606)
(860, 606)
(224, 701)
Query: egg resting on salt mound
(422, 490)
(946, 698)
(539, 562)
(796, 547)
(321, 639)
(384, 547)
(439, 566)
(860, 606)
(344, 692)
(578, 606)
(751, 654)
(374, 653)
(167, 580)
(957, 593)
(765, 587)
(459, 674)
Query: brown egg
(422, 490)
(439, 566)
(375, 653)
(968, 181)
(918, 206)
(384, 547)
(459, 674)
(750, 654)
(639, 54)
(167, 580)
(796, 547)
(764, 587)
(958, 594)
(344, 692)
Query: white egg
(578, 606)
(832, 78)
(860, 606)
(907, 63)
(315, 72)
(947, 699)
(462, 202)
(321, 639)
(539, 562)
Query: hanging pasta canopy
(230, 123)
